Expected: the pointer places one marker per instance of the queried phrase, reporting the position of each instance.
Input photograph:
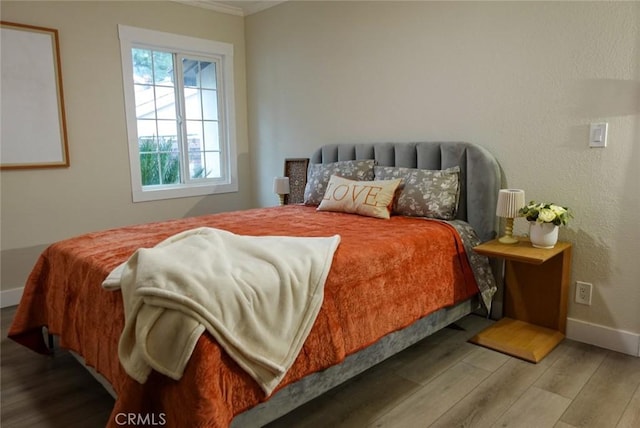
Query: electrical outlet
(583, 292)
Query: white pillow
(368, 198)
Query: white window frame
(131, 37)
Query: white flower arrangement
(546, 213)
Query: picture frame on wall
(296, 170)
(33, 131)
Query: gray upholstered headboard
(480, 174)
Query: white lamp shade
(509, 202)
(281, 185)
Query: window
(180, 114)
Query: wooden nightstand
(536, 288)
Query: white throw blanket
(257, 295)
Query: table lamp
(281, 187)
(509, 203)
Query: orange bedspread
(385, 275)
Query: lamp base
(508, 233)
(281, 198)
(508, 240)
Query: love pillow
(368, 198)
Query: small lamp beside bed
(281, 187)
(509, 203)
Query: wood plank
(363, 398)
(606, 395)
(519, 339)
(489, 400)
(431, 361)
(573, 368)
(535, 408)
(631, 416)
(561, 424)
(486, 359)
(45, 391)
(434, 399)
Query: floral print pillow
(424, 193)
(319, 175)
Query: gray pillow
(319, 175)
(424, 193)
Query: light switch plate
(598, 134)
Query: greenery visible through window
(161, 165)
(158, 163)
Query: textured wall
(522, 79)
(42, 206)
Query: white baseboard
(604, 337)
(10, 297)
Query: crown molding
(248, 8)
(213, 5)
(261, 5)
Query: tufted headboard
(479, 178)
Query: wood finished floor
(442, 381)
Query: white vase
(543, 235)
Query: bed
(379, 267)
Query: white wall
(522, 79)
(43, 206)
